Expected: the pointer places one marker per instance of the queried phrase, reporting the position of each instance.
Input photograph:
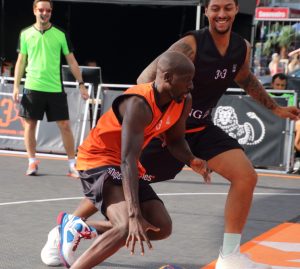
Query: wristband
(81, 83)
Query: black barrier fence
(267, 139)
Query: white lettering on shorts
(114, 173)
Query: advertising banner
(263, 135)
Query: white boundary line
(23, 153)
(159, 194)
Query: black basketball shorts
(35, 103)
(92, 181)
(205, 144)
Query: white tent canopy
(139, 2)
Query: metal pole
(198, 16)
(253, 34)
(2, 48)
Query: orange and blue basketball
(171, 266)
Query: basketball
(170, 266)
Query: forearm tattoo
(254, 88)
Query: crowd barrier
(267, 139)
(47, 133)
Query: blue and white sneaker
(71, 230)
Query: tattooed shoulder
(184, 46)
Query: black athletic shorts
(205, 144)
(35, 103)
(92, 181)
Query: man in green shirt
(279, 82)
(40, 49)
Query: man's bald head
(174, 75)
(175, 63)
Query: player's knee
(248, 181)
(252, 179)
(165, 227)
(64, 125)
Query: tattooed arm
(247, 81)
(185, 45)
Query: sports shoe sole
(73, 176)
(31, 174)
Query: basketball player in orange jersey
(110, 171)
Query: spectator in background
(296, 168)
(279, 82)
(7, 69)
(294, 63)
(40, 49)
(275, 65)
(295, 54)
(91, 62)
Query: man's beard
(223, 32)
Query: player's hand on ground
(84, 92)
(200, 166)
(290, 112)
(137, 233)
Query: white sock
(71, 163)
(31, 160)
(230, 242)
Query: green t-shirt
(288, 96)
(44, 51)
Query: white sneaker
(71, 230)
(50, 252)
(237, 260)
(73, 173)
(296, 167)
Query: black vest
(214, 74)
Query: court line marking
(159, 194)
(22, 154)
(51, 156)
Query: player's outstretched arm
(179, 148)
(136, 116)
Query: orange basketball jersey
(103, 145)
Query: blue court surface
(29, 207)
